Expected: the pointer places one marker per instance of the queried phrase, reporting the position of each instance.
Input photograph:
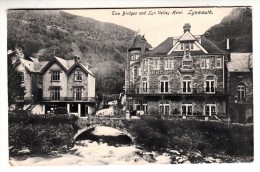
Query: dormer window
(78, 75)
(135, 56)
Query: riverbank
(208, 138)
(181, 141)
(40, 134)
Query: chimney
(77, 59)
(227, 43)
(186, 27)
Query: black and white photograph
(130, 86)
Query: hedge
(208, 137)
(41, 133)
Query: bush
(41, 133)
(190, 135)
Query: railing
(175, 91)
(60, 99)
(23, 100)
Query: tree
(15, 88)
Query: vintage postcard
(130, 86)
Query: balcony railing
(74, 99)
(175, 91)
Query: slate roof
(138, 43)
(28, 64)
(210, 46)
(38, 66)
(83, 66)
(240, 62)
(163, 48)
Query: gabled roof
(187, 36)
(139, 42)
(61, 62)
(166, 46)
(83, 67)
(240, 62)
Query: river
(89, 152)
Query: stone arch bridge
(87, 124)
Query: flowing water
(89, 152)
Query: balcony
(177, 92)
(70, 99)
(22, 99)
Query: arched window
(241, 92)
(165, 107)
(187, 108)
(210, 108)
(186, 84)
(144, 85)
(164, 84)
(210, 84)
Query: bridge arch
(117, 124)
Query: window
(55, 93)
(164, 84)
(22, 77)
(55, 76)
(186, 84)
(168, 64)
(187, 61)
(191, 46)
(241, 92)
(156, 64)
(210, 109)
(207, 66)
(135, 71)
(145, 107)
(77, 94)
(218, 63)
(187, 46)
(78, 75)
(145, 86)
(181, 46)
(137, 105)
(135, 56)
(187, 109)
(210, 84)
(164, 107)
(202, 63)
(40, 79)
(145, 67)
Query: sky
(158, 26)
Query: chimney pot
(76, 59)
(186, 27)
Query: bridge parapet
(86, 124)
